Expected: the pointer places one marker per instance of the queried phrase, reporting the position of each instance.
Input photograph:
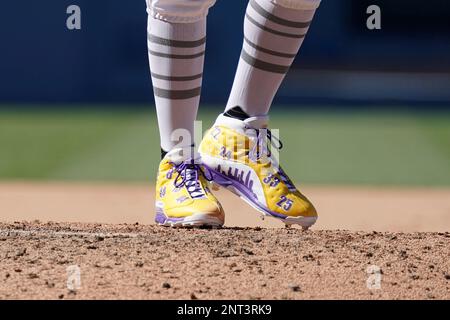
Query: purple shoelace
(264, 143)
(189, 176)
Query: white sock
(176, 55)
(273, 33)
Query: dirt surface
(351, 208)
(106, 231)
(151, 262)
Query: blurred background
(359, 106)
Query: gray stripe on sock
(273, 18)
(176, 43)
(279, 33)
(176, 56)
(266, 66)
(274, 53)
(176, 78)
(176, 94)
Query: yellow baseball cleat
(238, 153)
(183, 198)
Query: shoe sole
(239, 190)
(197, 220)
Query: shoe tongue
(257, 122)
(178, 155)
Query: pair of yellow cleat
(235, 154)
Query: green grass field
(381, 148)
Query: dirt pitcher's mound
(151, 262)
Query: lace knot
(263, 144)
(188, 175)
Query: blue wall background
(106, 62)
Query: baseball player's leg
(236, 148)
(274, 30)
(176, 46)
